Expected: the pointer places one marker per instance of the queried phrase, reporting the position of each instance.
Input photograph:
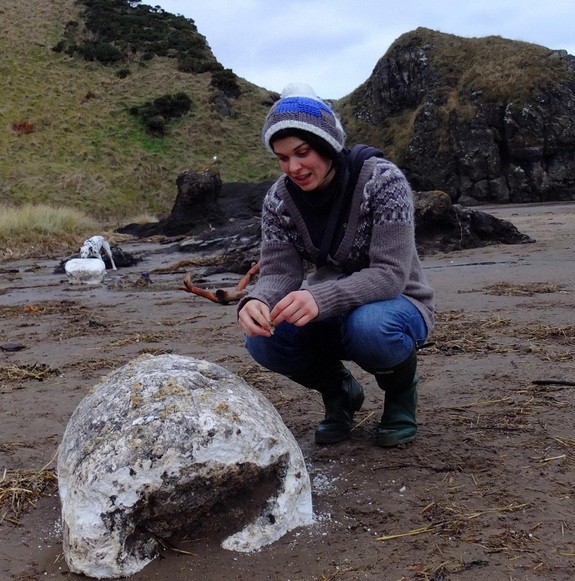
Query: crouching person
(349, 213)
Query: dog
(92, 248)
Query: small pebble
(12, 346)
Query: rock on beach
(156, 446)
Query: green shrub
(157, 113)
(156, 125)
(121, 27)
(104, 52)
(190, 64)
(226, 81)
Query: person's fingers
(298, 308)
(254, 319)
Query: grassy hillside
(68, 137)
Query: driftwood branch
(222, 296)
(248, 276)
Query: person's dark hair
(315, 142)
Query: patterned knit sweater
(375, 260)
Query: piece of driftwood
(222, 296)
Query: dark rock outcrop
(196, 207)
(234, 245)
(441, 226)
(204, 204)
(489, 120)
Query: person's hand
(254, 319)
(298, 307)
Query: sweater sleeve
(281, 263)
(392, 251)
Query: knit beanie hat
(299, 108)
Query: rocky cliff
(483, 119)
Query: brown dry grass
(20, 489)
(505, 288)
(41, 230)
(502, 69)
(456, 333)
(37, 371)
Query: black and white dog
(92, 248)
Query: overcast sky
(333, 45)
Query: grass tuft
(20, 489)
(37, 230)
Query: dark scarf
(315, 206)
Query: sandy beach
(484, 493)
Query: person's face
(302, 164)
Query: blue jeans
(376, 336)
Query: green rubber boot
(398, 424)
(340, 406)
(342, 396)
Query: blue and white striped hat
(301, 109)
